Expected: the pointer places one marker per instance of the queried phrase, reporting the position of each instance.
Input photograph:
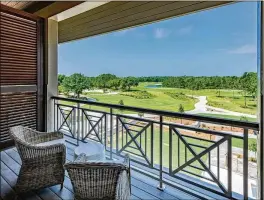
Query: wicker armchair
(42, 163)
(107, 180)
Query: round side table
(93, 150)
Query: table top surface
(90, 148)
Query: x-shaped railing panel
(65, 118)
(198, 156)
(93, 126)
(134, 141)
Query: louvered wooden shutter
(21, 72)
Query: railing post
(117, 138)
(229, 166)
(161, 186)
(57, 117)
(170, 150)
(74, 122)
(105, 130)
(152, 144)
(78, 123)
(54, 115)
(111, 133)
(245, 164)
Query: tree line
(247, 82)
(76, 83)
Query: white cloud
(160, 33)
(245, 49)
(184, 30)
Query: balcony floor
(142, 187)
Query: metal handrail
(215, 120)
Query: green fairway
(169, 99)
(236, 104)
(229, 99)
(158, 100)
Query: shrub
(138, 94)
(181, 108)
(177, 95)
(243, 118)
(239, 156)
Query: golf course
(170, 99)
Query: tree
(234, 83)
(102, 80)
(124, 84)
(61, 77)
(248, 83)
(75, 83)
(129, 82)
(121, 102)
(253, 147)
(141, 114)
(181, 110)
(114, 83)
(62, 90)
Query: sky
(221, 41)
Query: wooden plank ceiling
(43, 9)
(119, 15)
(18, 4)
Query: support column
(261, 99)
(52, 87)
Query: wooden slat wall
(18, 51)
(17, 109)
(20, 68)
(114, 16)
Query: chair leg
(61, 186)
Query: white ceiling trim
(83, 7)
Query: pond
(157, 85)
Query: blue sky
(220, 41)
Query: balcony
(181, 156)
(169, 160)
(199, 158)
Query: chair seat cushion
(52, 142)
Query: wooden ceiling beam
(55, 8)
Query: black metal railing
(198, 155)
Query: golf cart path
(202, 107)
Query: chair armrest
(33, 152)
(36, 137)
(127, 160)
(123, 188)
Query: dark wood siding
(21, 72)
(114, 16)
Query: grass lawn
(239, 143)
(228, 117)
(234, 104)
(230, 99)
(161, 100)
